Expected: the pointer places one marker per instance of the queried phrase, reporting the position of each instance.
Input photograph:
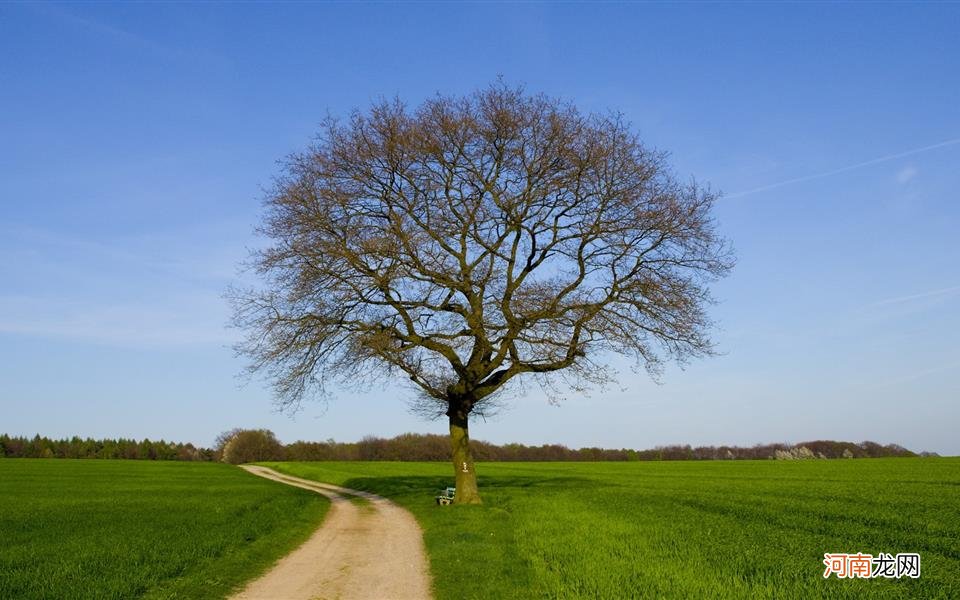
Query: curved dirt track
(372, 551)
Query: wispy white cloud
(906, 174)
(103, 29)
(177, 321)
(859, 165)
(119, 35)
(162, 288)
(209, 252)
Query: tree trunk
(466, 476)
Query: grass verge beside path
(719, 529)
(138, 529)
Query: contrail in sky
(845, 169)
(920, 296)
(919, 374)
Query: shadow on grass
(420, 484)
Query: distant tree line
(261, 445)
(420, 447)
(250, 445)
(76, 447)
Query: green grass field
(724, 529)
(138, 529)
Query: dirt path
(372, 551)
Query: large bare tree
(473, 242)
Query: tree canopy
(473, 241)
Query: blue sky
(136, 139)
